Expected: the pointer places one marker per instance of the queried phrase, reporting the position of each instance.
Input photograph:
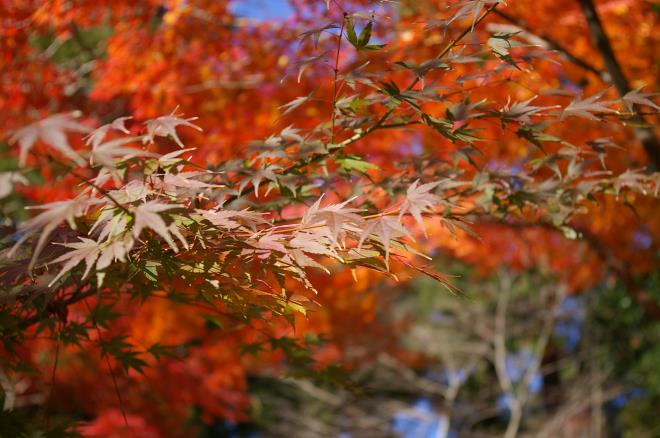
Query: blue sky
(262, 9)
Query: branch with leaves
(252, 235)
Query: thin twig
(381, 121)
(107, 361)
(334, 85)
(84, 180)
(52, 374)
(456, 40)
(500, 335)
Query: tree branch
(555, 45)
(521, 393)
(619, 268)
(644, 135)
(75, 297)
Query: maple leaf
(599, 145)
(419, 200)
(386, 229)
(635, 97)
(118, 243)
(267, 244)
(115, 250)
(45, 223)
(269, 155)
(165, 126)
(473, 7)
(172, 158)
(521, 111)
(461, 111)
(115, 224)
(585, 107)
(87, 250)
(146, 216)
(315, 34)
(303, 260)
(259, 175)
(220, 218)
(361, 41)
(230, 219)
(500, 46)
(304, 63)
(295, 103)
(52, 131)
(185, 180)
(250, 218)
(422, 69)
(334, 216)
(630, 178)
(176, 232)
(131, 192)
(98, 135)
(314, 241)
(109, 153)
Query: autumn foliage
(194, 200)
